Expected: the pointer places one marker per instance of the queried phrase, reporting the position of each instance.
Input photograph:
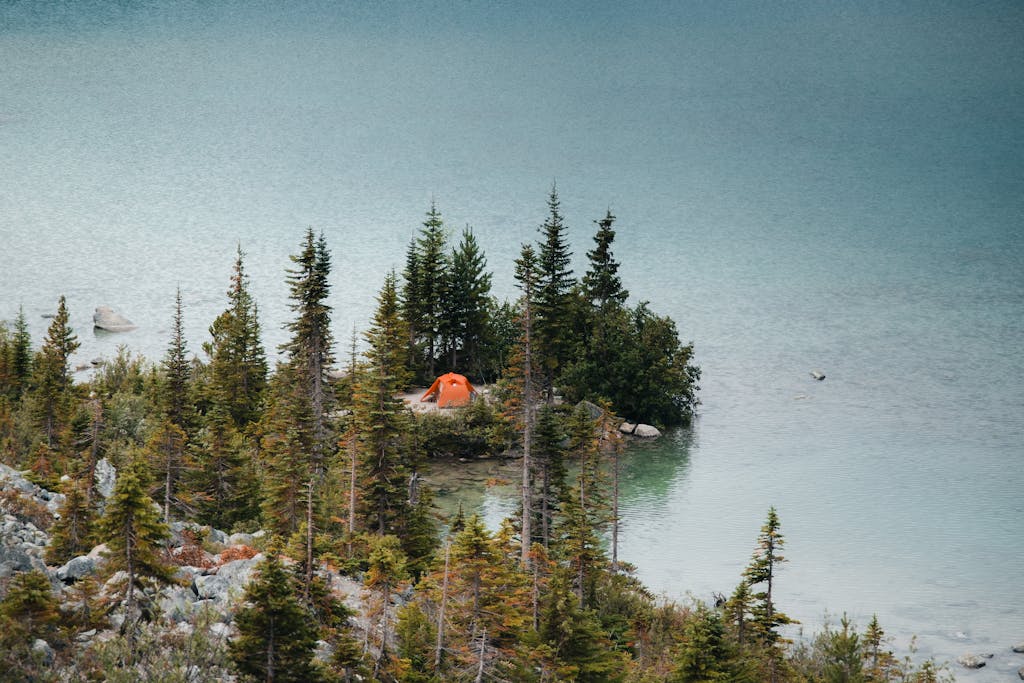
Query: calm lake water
(808, 186)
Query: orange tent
(450, 391)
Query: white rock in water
(972, 661)
(108, 319)
(627, 427)
(646, 432)
(818, 375)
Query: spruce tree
(705, 655)
(526, 275)
(554, 284)
(178, 372)
(134, 535)
(382, 424)
(411, 302)
(429, 284)
(52, 385)
(238, 364)
(469, 288)
(549, 465)
(276, 635)
(16, 358)
(309, 350)
(73, 532)
(287, 442)
(387, 569)
(761, 572)
(581, 651)
(165, 450)
(602, 283)
(28, 611)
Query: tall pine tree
(51, 380)
(238, 364)
(469, 288)
(178, 373)
(554, 286)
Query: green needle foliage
(133, 532)
(276, 633)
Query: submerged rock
(973, 661)
(110, 320)
(646, 432)
(818, 375)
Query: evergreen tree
(238, 364)
(425, 295)
(526, 274)
(549, 466)
(28, 611)
(15, 358)
(286, 444)
(165, 450)
(276, 635)
(554, 284)
(411, 304)
(389, 484)
(52, 385)
(844, 654)
(761, 572)
(309, 350)
(21, 351)
(580, 649)
(705, 656)
(72, 533)
(222, 486)
(178, 371)
(469, 288)
(132, 530)
(601, 282)
(387, 569)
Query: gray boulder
(240, 539)
(217, 536)
(106, 477)
(973, 661)
(1020, 673)
(174, 605)
(14, 559)
(110, 320)
(43, 650)
(211, 587)
(76, 569)
(646, 432)
(627, 427)
(593, 410)
(1019, 647)
(239, 572)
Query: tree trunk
(440, 610)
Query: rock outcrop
(110, 320)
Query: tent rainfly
(450, 391)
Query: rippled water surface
(809, 186)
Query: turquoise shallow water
(811, 186)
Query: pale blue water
(807, 186)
